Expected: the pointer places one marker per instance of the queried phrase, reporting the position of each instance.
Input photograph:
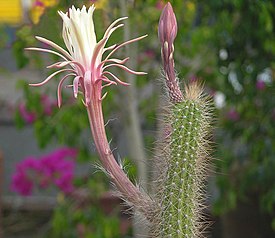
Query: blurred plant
(38, 8)
(29, 116)
(51, 169)
(245, 61)
(79, 218)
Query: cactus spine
(181, 185)
(183, 168)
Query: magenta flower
(160, 4)
(52, 169)
(21, 180)
(233, 115)
(22, 184)
(260, 85)
(28, 117)
(84, 55)
(38, 3)
(47, 104)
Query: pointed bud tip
(167, 25)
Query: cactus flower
(84, 55)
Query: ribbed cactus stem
(180, 199)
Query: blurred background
(50, 184)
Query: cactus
(184, 168)
(183, 161)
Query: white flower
(84, 55)
(79, 34)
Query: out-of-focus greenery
(227, 44)
(230, 45)
(82, 215)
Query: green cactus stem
(181, 195)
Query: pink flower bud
(167, 33)
(167, 25)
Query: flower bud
(167, 25)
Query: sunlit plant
(175, 210)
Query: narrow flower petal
(105, 79)
(57, 47)
(50, 77)
(116, 78)
(47, 51)
(59, 89)
(109, 48)
(107, 32)
(112, 30)
(108, 84)
(117, 61)
(125, 43)
(98, 51)
(65, 63)
(124, 68)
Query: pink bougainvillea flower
(233, 115)
(47, 104)
(51, 169)
(84, 55)
(160, 4)
(260, 85)
(28, 117)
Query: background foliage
(227, 44)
